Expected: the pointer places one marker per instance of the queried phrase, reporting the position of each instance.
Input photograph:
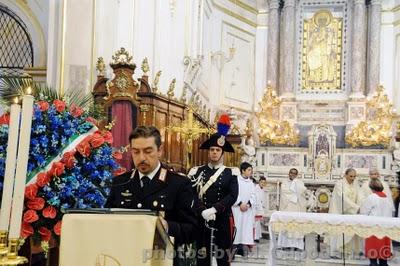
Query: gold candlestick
(3, 243)
(12, 257)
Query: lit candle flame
(29, 90)
(16, 100)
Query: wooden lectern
(114, 239)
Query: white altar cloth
(301, 223)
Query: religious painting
(322, 52)
(284, 159)
(361, 161)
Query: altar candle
(22, 165)
(11, 158)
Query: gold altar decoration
(322, 52)
(171, 89)
(377, 129)
(122, 57)
(272, 130)
(145, 66)
(156, 81)
(189, 130)
(100, 66)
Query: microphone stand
(343, 249)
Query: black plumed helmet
(219, 139)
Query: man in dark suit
(217, 187)
(152, 186)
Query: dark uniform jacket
(221, 195)
(167, 191)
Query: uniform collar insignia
(162, 175)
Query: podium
(114, 239)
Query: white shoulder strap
(211, 181)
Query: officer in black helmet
(217, 189)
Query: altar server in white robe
(293, 199)
(366, 191)
(243, 209)
(259, 208)
(377, 204)
(346, 191)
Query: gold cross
(189, 130)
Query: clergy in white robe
(259, 208)
(366, 191)
(243, 209)
(344, 201)
(292, 198)
(377, 204)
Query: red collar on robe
(380, 194)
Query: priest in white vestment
(243, 210)
(292, 198)
(366, 191)
(345, 201)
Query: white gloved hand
(212, 217)
(207, 213)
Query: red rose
(60, 105)
(49, 212)
(42, 179)
(26, 230)
(87, 138)
(108, 137)
(45, 233)
(119, 171)
(117, 155)
(97, 140)
(57, 228)
(36, 204)
(31, 191)
(69, 159)
(30, 216)
(92, 120)
(57, 169)
(83, 148)
(43, 105)
(5, 119)
(75, 111)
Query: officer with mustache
(152, 186)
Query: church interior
(307, 84)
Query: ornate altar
(318, 114)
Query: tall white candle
(11, 159)
(22, 165)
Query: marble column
(358, 59)
(374, 45)
(273, 43)
(286, 75)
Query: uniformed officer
(217, 187)
(152, 186)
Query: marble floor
(259, 256)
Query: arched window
(16, 50)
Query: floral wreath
(71, 164)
